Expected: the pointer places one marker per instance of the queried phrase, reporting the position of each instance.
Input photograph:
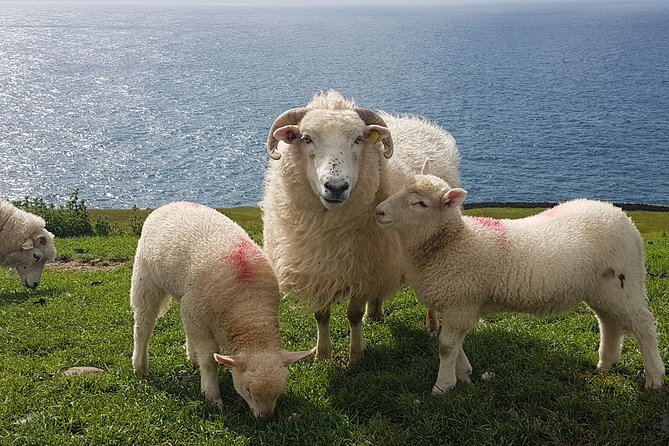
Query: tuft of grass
(543, 387)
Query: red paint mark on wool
(244, 259)
(491, 224)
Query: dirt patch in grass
(74, 266)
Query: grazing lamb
(545, 264)
(331, 168)
(25, 246)
(228, 295)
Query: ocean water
(144, 104)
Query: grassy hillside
(543, 388)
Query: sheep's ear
(230, 361)
(28, 244)
(41, 240)
(453, 198)
(290, 134)
(425, 170)
(291, 357)
(376, 133)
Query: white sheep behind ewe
(332, 163)
(544, 264)
(25, 245)
(228, 296)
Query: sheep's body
(464, 267)
(24, 243)
(325, 253)
(228, 297)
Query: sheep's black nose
(336, 188)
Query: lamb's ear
(453, 197)
(40, 240)
(291, 357)
(230, 361)
(28, 244)
(290, 134)
(425, 170)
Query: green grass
(544, 389)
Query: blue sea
(142, 104)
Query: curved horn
(370, 117)
(289, 117)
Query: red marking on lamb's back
(245, 258)
(490, 223)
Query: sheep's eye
(36, 257)
(420, 203)
(358, 140)
(306, 139)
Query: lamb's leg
(631, 312)
(209, 371)
(323, 343)
(356, 310)
(146, 301)
(455, 324)
(190, 351)
(643, 326)
(463, 369)
(374, 310)
(610, 342)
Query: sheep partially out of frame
(25, 245)
(545, 264)
(332, 163)
(228, 296)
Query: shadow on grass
(40, 296)
(539, 393)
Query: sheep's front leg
(323, 342)
(356, 310)
(453, 362)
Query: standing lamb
(25, 246)
(331, 168)
(545, 264)
(228, 295)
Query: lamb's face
(422, 200)
(331, 143)
(260, 381)
(30, 259)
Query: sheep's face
(421, 200)
(260, 378)
(332, 143)
(30, 259)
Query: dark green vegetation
(543, 390)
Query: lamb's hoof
(440, 390)
(142, 371)
(654, 383)
(217, 401)
(605, 366)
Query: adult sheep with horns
(332, 164)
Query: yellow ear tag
(375, 137)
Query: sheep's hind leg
(631, 312)
(323, 342)
(374, 311)
(610, 342)
(356, 310)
